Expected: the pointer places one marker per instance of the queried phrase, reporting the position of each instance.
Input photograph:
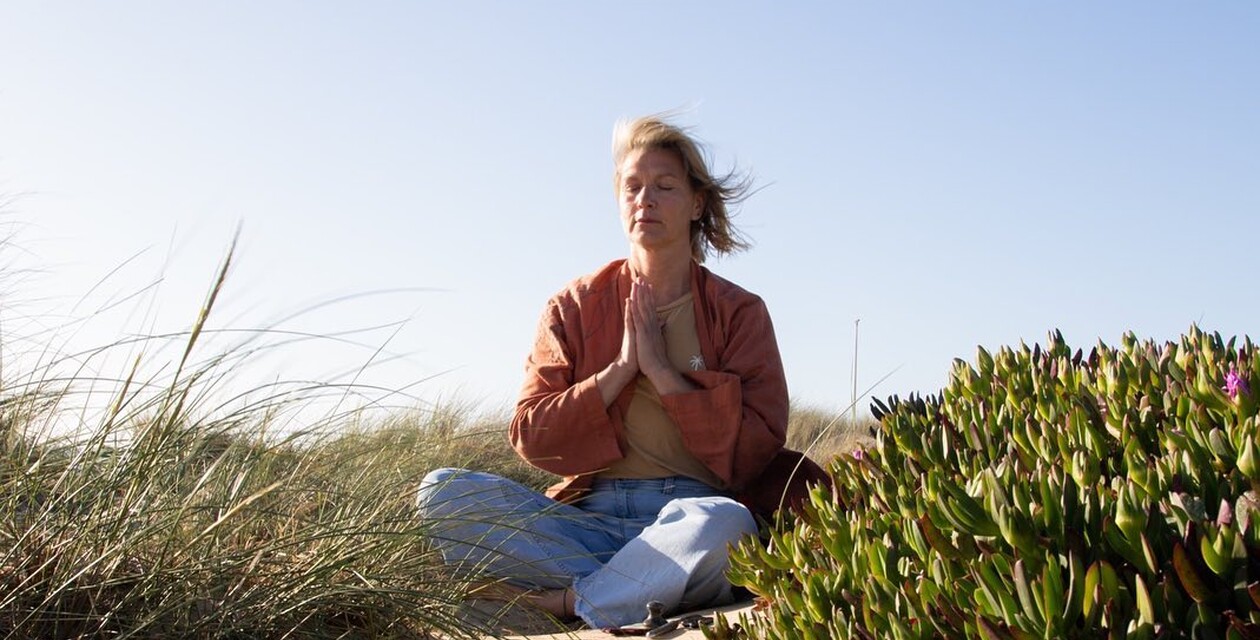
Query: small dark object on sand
(655, 615)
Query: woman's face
(658, 204)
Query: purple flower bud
(1234, 383)
(859, 453)
(1224, 515)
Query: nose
(645, 198)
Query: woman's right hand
(623, 370)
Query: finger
(639, 293)
(647, 300)
(631, 328)
(636, 303)
(645, 321)
(649, 295)
(645, 307)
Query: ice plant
(1045, 492)
(1235, 383)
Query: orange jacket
(735, 423)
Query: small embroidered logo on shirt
(697, 363)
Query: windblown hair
(713, 232)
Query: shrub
(1042, 493)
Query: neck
(669, 275)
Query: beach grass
(824, 434)
(165, 513)
(201, 529)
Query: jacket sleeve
(561, 424)
(736, 421)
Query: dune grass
(166, 515)
(202, 529)
(825, 434)
(191, 530)
(163, 514)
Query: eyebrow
(667, 174)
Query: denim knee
(719, 520)
(733, 520)
(438, 488)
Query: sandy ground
(731, 612)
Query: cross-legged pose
(656, 389)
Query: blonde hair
(713, 232)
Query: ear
(698, 208)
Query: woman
(656, 389)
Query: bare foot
(557, 602)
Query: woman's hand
(620, 372)
(649, 340)
(629, 356)
(642, 350)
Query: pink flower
(1235, 383)
(859, 453)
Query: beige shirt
(654, 445)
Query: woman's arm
(561, 424)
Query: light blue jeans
(626, 543)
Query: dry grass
(824, 434)
(198, 530)
(205, 529)
(166, 515)
(455, 435)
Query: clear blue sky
(952, 174)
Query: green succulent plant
(1043, 493)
